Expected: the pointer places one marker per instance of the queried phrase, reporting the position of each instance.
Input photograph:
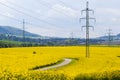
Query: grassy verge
(47, 65)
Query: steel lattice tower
(109, 36)
(87, 18)
(23, 32)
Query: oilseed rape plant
(24, 63)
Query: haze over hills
(12, 31)
(113, 37)
(8, 30)
(14, 34)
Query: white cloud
(109, 11)
(2, 1)
(8, 14)
(6, 1)
(61, 11)
(114, 11)
(115, 19)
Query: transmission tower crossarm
(91, 10)
(92, 27)
(81, 19)
(92, 19)
(83, 11)
(82, 28)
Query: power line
(11, 18)
(54, 9)
(28, 10)
(66, 14)
(87, 18)
(12, 3)
(16, 5)
(65, 4)
(21, 7)
(15, 19)
(27, 14)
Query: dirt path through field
(65, 62)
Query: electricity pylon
(87, 18)
(71, 35)
(23, 32)
(109, 36)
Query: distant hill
(8, 30)
(118, 35)
(114, 37)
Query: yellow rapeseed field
(23, 60)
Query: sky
(60, 18)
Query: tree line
(14, 41)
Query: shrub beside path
(65, 62)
